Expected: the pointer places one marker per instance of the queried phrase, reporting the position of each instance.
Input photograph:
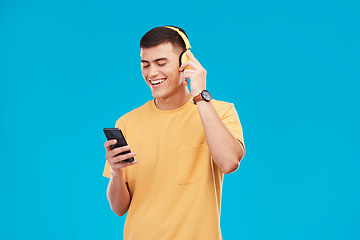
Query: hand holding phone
(115, 133)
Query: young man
(183, 142)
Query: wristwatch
(204, 95)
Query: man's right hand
(116, 163)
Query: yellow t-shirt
(175, 187)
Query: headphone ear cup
(184, 58)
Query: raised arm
(225, 149)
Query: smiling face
(160, 69)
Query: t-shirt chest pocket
(192, 163)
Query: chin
(160, 95)
(157, 94)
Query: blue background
(70, 68)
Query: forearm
(118, 194)
(225, 149)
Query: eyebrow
(156, 60)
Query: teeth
(157, 81)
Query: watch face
(206, 95)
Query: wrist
(204, 95)
(197, 89)
(117, 173)
(195, 93)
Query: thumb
(183, 80)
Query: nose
(153, 71)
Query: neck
(173, 102)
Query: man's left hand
(197, 75)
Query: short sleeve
(232, 122)
(107, 170)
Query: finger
(183, 79)
(120, 158)
(123, 157)
(191, 64)
(192, 72)
(118, 150)
(118, 165)
(109, 143)
(188, 73)
(192, 57)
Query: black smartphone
(115, 133)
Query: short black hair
(160, 35)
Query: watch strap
(198, 98)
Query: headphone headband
(182, 35)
